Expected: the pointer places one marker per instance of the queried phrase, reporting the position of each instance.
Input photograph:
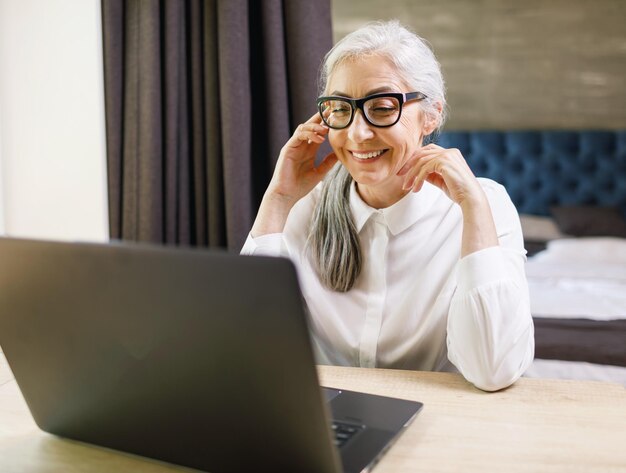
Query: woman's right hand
(295, 174)
(294, 177)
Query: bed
(570, 190)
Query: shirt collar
(397, 217)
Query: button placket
(377, 293)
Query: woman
(406, 259)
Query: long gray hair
(333, 239)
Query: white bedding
(558, 369)
(579, 278)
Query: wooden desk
(534, 426)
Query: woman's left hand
(444, 168)
(447, 169)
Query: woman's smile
(373, 155)
(367, 156)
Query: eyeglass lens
(380, 111)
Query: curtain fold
(200, 97)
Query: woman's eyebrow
(377, 90)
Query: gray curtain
(200, 97)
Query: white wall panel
(52, 119)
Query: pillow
(536, 228)
(609, 250)
(590, 221)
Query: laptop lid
(195, 357)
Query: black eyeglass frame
(357, 104)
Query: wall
(52, 137)
(513, 64)
(1, 186)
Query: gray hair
(333, 239)
(410, 54)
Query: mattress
(578, 301)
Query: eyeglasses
(379, 110)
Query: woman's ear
(432, 120)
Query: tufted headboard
(544, 168)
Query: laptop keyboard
(343, 432)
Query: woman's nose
(359, 130)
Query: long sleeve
(417, 304)
(490, 330)
(267, 245)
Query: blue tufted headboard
(544, 168)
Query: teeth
(370, 155)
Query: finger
(315, 118)
(418, 165)
(419, 182)
(310, 137)
(309, 133)
(417, 186)
(316, 127)
(450, 155)
(420, 153)
(435, 179)
(407, 166)
(313, 124)
(425, 151)
(410, 164)
(432, 146)
(433, 172)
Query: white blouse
(417, 304)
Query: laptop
(201, 358)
